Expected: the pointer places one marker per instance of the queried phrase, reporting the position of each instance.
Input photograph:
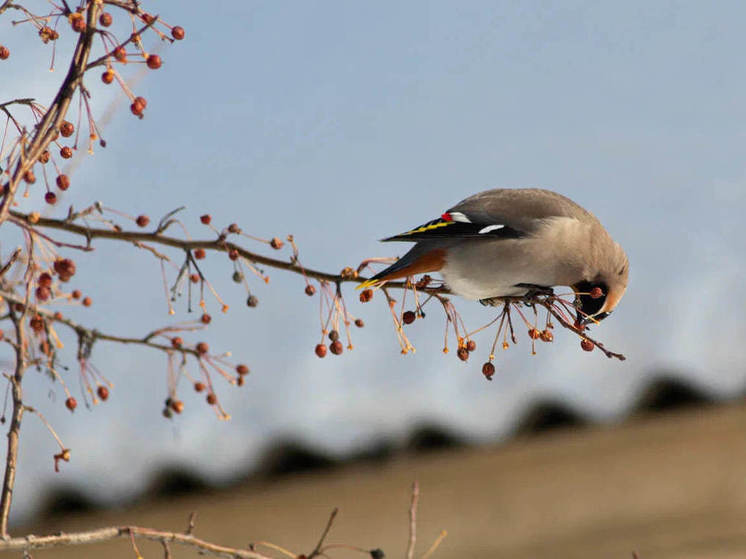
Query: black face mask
(587, 305)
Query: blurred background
(342, 123)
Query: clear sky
(344, 122)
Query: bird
(517, 242)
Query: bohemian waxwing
(513, 242)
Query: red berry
(408, 317)
(178, 33)
(366, 295)
(37, 323)
(147, 18)
(333, 336)
(4, 52)
(102, 392)
(336, 348)
(45, 280)
(43, 293)
(488, 369)
(359, 322)
(67, 129)
(310, 290)
(212, 399)
(199, 253)
(194, 278)
(105, 19)
(71, 403)
(78, 23)
(206, 219)
(202, 348)
(177, 406)
(547, 336)
(142, 221)
(199, 386)
(176, 342)
(206, 318)
(51, 198)
(66, 152)
(586, 344)
(63, 182)
(596, 292)
(76, 294)
(87, 301)
(29, 176)
(471, 345)
(534, 334)
(44, 157)
(321, 350)
(276, 243)
(107, 77)
(463, 354)
(136, 109)
(120, 54)
(252, 301)
(233, 254)
(242, 369)
(153, 61)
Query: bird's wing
(500, 213)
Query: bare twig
(413, 520)
(318, 549)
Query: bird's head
(599, 295)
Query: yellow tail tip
(368, 283)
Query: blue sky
(344, 122)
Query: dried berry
(463, 354)
(488, 370)
(87, 302)
(29, 176)
(167, 413)
(120, 54)
(202, 348)
(336, 348)
(233, 254)
(234, 228)
(43, 293)
(105, 19)
(71, 403)
(310, 290)
(66, 152)
(212, 399)
(177, 342)
(586, 344)
(199, 386)
(366, 295)
(242, 369)
(63, 182)
(320, 350)
(205, 219)
(4, 52)
(37, 323)
(50, 198)
(194, 278)
(534, 334)
(177, 406)
(408, 317)
(67, 129)
(205, 318)
(471, 345)
(547, 336)
(199, 254)
(359, 322)
(153, 61)
(276, 243)
(78, 23)
(45, 280)
(178, 32)
(76, 294)
(44, 157)
(142, 221)
(102, 392)
(252, 301)
(334, 335)
(147, 18)
(107, 77)
(237, 276)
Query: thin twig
(317, 550)
(413, 520)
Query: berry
(310, 290)
(37, 323)
(43, 293)
(147, 18)
(199, 386)
(212, 399)
(141, 101)
(205, 219)
(107, 77)
(50, 198)
(120, 54)
(63, 182)
(78, 23)
(234, 228)
(194, 278)
(48, 34)
(142, 221)
(488, 369)
(586, 344)
(202, 348)
(596, 292)
(44, 157)
(333, 335)
(471, 345)
(66, 152)
(199, 254)
(547, 336)
(276, 243)
(45, 280)
(102, 392)
(359, 322)
(233, 254)
(167, 413)
(177, 406)
(176, 342)
(178, 33)
(29, 176)
(153, 61)
(463, 354)
(321, 350)
(67, 129)
(336, 348)
(366, 295)
(239, 381)
(252, 301)
(534, 334)
(136, 109)
(71, 403)
(4, 52)
(76, 294)
(105, 19)
(237, 276)
(242, 369)
(408, 317)
(206, 318)
(87, 302)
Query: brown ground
(666, 486)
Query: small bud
(547, 336)
(177, 406)
(44, 157)
(45, 280)
(234, 228)
(120, 54)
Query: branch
(413, 520)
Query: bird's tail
(419, 260)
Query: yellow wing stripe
(428, 227)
